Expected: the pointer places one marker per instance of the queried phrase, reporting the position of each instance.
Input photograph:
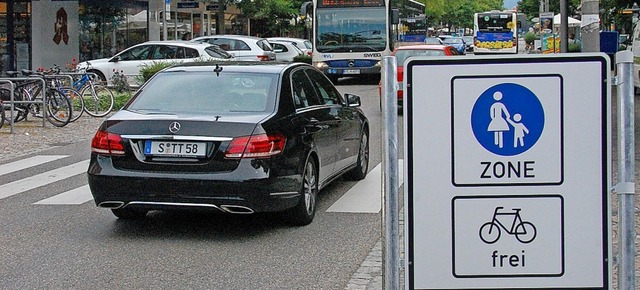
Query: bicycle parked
(77, 101)
(95, 99)
(28, 96)
(98, 98)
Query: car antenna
(217, 117)
(217, 70)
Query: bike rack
(12, 101)
(11, 90)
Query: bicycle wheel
(489, 232)
(98, 100)
(21, 110)
(76, 101)
(1, 115)
(525, 232)
(59, 108)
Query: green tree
(271, 17)
(458, 13)
(531, 8)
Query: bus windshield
(494, 22)
(351, 29)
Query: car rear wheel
(362, 165)
(129, 214)
(303, 213)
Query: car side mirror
(352, 100)
(115, 59)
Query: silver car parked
(285, 51)
(242, 47)
(302, 44)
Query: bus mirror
(395, 16)
(306, 8)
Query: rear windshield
(453, 40)
(403, 54)
(494, 22)
(217, 52)
(206, 92)
(308, 44)
(264, 44)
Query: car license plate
(351, 71)
(172, 148)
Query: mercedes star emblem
(174, 127)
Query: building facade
(45, 33)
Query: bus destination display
(350, 3)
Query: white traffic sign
(507, 172)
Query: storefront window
(107, 28)
(15, 34)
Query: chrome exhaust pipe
(111, 204)
(236, 209)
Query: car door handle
(313, 125)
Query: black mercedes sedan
(233, 137)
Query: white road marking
(28, 162)
(29, 183)
(366, 195)
(79, 195)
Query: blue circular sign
(507, 119)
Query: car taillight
(263, 57)
(309, 53)
(107, 143)
(255, 146)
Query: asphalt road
(44, 245)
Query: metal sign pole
(390, 216)
(625, 188)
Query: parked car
(131, 60)
(302, 44)
(456, 42)
(234, 137)
(468, 42)
(403, 52)
(285, 51)
(432, 40)
(242, 47)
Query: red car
(404, 52)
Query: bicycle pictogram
(524, 231)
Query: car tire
(304, 212)
(129, 214)
(362, 165)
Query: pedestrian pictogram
(507, 119)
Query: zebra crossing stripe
(29, 183)
(28, 162)
(366, 195)
(79, 195)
